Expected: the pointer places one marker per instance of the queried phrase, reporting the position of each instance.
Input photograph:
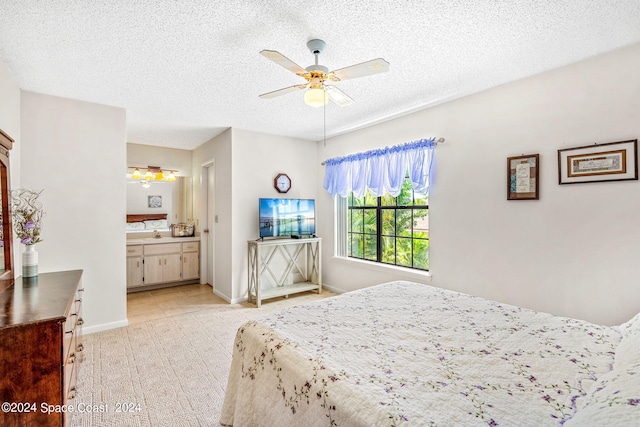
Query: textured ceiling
(187, 70)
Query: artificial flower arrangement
(26, 214)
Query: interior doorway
(207, 261)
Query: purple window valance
(382, 170)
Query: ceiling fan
(318, 76)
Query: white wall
(76, 152)
(253, 178)
(575, 251)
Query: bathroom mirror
(172, 198)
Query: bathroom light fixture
(152, 173)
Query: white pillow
(632, 323)
(614, 400)
(134, 226)
(628, 350)
(156, 224)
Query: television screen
(287, 217)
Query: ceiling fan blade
(282, 91)
(283, 61)
(338, 96)
(368, 68)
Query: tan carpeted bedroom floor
(169, 367)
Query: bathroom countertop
(153, 240)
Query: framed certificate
(522, 177)
(613, 161)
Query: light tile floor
(160, 303)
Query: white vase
(30, 261)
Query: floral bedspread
(402, 353)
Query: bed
(403, 353)
(147, 223)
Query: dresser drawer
(67, 342)
(77, 332)
(190, 246)
(68, 338)
(162, 248)
(134, 250)
(70, 362)
(73, 328)
(70, 380)
(77, 305)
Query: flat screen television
(287, 217)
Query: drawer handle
(72, 393)
(80, 348)
(80, 322)
(78, 300)
(72, 358)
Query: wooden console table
(281, 267)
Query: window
(389, 230)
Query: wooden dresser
(40, 348)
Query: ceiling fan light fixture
(317, 75)
(316, 97)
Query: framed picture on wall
(154, 201)
(613, 161)
(522, 177)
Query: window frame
(344, 213)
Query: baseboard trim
(221, 295)
(104, 326)
(229, 300)
(333, 289)
(239, 300)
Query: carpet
(167, 372)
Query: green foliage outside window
(390, 230)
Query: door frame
(207, 260)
